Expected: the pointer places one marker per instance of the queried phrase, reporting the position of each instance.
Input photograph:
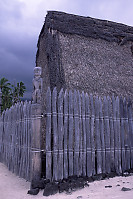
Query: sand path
(13, 187)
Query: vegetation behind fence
(87, 136)
(15, 139)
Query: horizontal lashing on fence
(59, 114)
(107, 149)
(48, 114)
(23, 120)
(88, 149)
(66, 150)
(61, 151)
(34, 117)
(36, 150)
(22, 147)
(86, 116)
(55, 151)
(100, 150)
(16, 146)
(54, 114)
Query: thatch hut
(87, 54)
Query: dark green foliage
(10, 93)
(18, 91)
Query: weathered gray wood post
(0, 126)
(0, 101)
(36, 127)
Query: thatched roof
(88, 27)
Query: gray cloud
(10, 10)
(17, 58)
(18, 48)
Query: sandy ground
(13, 187)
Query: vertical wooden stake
(36, 144)
(0, 101)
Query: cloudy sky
(21, 22)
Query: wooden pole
(55, 134)
(1, 131)
(36, 127)
(0, 101)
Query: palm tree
(6, 93)
(10, 93)
(4, 84)
(18, 91)
(22, 89)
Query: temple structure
(87, 54)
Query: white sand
(13, 187)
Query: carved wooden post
(0, 101)
(36, 127)
(1, 131)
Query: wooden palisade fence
(15, 139)
(87, 135)
(20, 132)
